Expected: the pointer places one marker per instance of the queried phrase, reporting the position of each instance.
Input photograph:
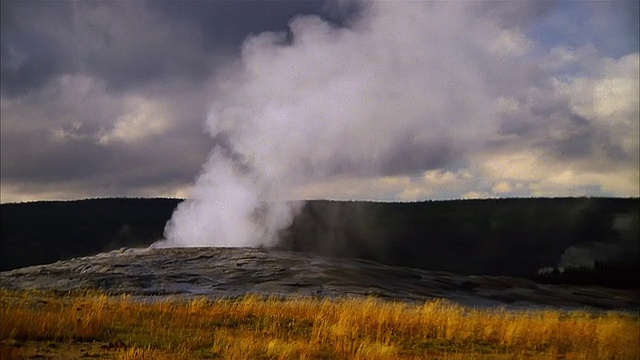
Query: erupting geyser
(398, 91)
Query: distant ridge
(46, 231)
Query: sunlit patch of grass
(306, 328)
(55, 319)
(137, 353)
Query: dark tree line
(515, 237)
(47, 231)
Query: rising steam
(398, 91)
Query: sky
(389, 101)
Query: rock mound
(231, 272)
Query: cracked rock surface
(231, 272)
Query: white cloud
(432, 184)
(477, 195)
(144, 118)
(611, 95)
(502, 187)
(572, 183)
(529, 173)
(522, 166)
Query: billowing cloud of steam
(405, 88)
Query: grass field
(45, 325)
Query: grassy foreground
(36, 324)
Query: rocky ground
(230, 272)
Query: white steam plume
(402, 89)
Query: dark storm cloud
(78, 76)
(128, 44)
(227, 23)
(76, 136)
(94, 168)
(110, 97)
(44, 164)
(581, 140)
(30, 51)
(118, 42)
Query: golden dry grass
(257, 328)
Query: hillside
(595, 240)
(220, 273)
(516, 237)
(47, 231)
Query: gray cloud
(118, 42)
(30, 51)
(128, 44)
(515, 14)
(109, 98)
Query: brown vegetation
(252, 327)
